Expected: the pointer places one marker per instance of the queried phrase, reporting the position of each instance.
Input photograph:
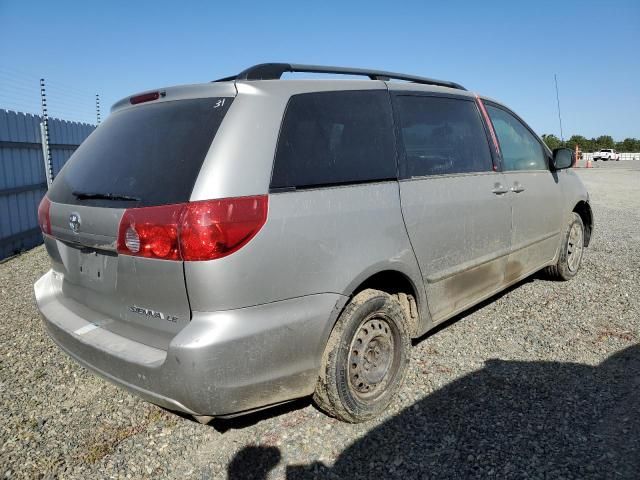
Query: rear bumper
(220, 364)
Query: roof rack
(273, 71)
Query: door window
(520, 148)
(442, 136)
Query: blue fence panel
(22, 174)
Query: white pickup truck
(606, 154)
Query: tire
(366, 358)
(571, 251)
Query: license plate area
(92, 266)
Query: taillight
(150, 232)
(44, 219)
(192, 231)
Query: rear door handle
(517, 188)
(498, 189)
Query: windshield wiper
(104, 196)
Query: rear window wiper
(104, 196)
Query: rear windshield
(142, 156)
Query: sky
(507, 50)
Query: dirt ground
(541, 381)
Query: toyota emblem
(74, 222)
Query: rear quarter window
(152, 152)
(335, 138)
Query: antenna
(555, 76)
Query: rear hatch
(143, 155)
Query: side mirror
(562, 158)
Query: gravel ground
(540, 381)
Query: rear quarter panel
(324, 240)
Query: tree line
(593, 144)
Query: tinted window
(152, 152)
(333, 138)
(520, 149)
(442, 135)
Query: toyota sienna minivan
(224, 247)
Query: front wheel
(366, 358)
(571, 250)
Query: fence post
(44, 136)
(98, 108)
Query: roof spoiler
(273, 71)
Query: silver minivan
(223, 247)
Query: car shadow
(510, 419)
(245, 420)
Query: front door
(535, 194)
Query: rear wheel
(571, 250)
(366, 358)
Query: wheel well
(395, 283)
(584, 210)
